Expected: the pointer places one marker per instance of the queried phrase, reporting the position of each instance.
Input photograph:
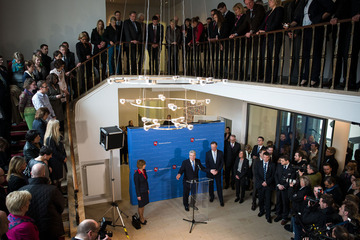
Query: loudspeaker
(111, 138)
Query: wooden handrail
(72, 153)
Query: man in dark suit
(215, 160)
(212, 27)
(232, 149)
(70, 55)
(265, 181)
(46, 60)
(254, 17)
(155, 38)
(241, 171)
(190, 168)
(256, 157)
(132, 31)
(284, 172)
(256, 149)
(228, 15)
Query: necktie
(214, 156)
(193, 165)
(265, 167)
(251, 13)
(232, 145)
(154, 34)
(258, 150)
(135, 26)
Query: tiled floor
(165, 219)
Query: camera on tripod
(103, 232)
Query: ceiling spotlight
(155, 120)
(162, 97)
(193, 101)
(225, 80)
(157, 125)
(122, 101)
(207, 101)
(174, 107)
(202, 82)
(110, 81)
(181, 119)
(190, 127)
(146, 127)
(138, 101)
(177, 125)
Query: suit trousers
(187, 188)
(282, 204)
(229, 172)
(153, 60)
(217, 179)
(265, 200)
(240, 187)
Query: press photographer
(89, 229)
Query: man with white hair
(190, 167)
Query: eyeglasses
(44, 87)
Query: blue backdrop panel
(164, 151)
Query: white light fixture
(122, 101)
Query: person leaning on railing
(272, 22)
(97, 39)
(111, 37)
(83, 52)
(173, 40)
(314, 12)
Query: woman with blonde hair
(20, 226)
(26, 107)
(54, 140)
(15, 177)
(97, 39)
(39, 72)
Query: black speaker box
(111, 138)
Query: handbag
(136, 221)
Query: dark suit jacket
(209, 162)
(255, 152)
(71, 57)
(316, 10)
(257, 18)
(212, 30)
(240, 26)
(230, 19)
(274, 20)
(281, 175)
(111, 34)
(224, 31)
(141, 184)
(231, 153)
(270, 174)
(82, 50)
(130, 31)
(187, 169)
(244, 168)
(159, 33)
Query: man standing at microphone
(190, 167)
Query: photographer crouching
(89, 229)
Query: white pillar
(339, 142)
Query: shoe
(211, 199)
(241, 201)
(277, 219)
(269, 220)
(187, 208)
(303, 83)
(253, 207)
(283, 222)
(260, 214)
(314, 83)
(143, 223)
(237, 199)
(226, 187)
(287, 227)
(222, 204)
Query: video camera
(301, 168)
(103, 232)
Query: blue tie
(265, 166)
(193, 165)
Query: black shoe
(233, 187)
(211, 199)
(237, 199)
(187, 208)
(143, 223)
(260, 214)
(277, 219)
(222, 204)
(241, 200)
(253, 207)
(226, 187)
(269, 220)
(287, 227)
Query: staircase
(17, 134)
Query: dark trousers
(229, 173)
(271, 69)
(296, 41)
(265, 200)
(252, 57)
(112, 62)
(282, 204)
(239, 54)
(217, 179)
(240, 187)
(187, 188)
(136, 52)
(154, 60)
(173, 60)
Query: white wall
(25, 25)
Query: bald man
(87, 230)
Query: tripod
(114, 206)
(193, 200)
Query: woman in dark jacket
(142, 188)
(240, 28)
(111, 37)
(83, 52)
(32, 145)
(53, 139)
(272, 22)
(40, 123)
(55, 96)
(15, 177)
(97, 38)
